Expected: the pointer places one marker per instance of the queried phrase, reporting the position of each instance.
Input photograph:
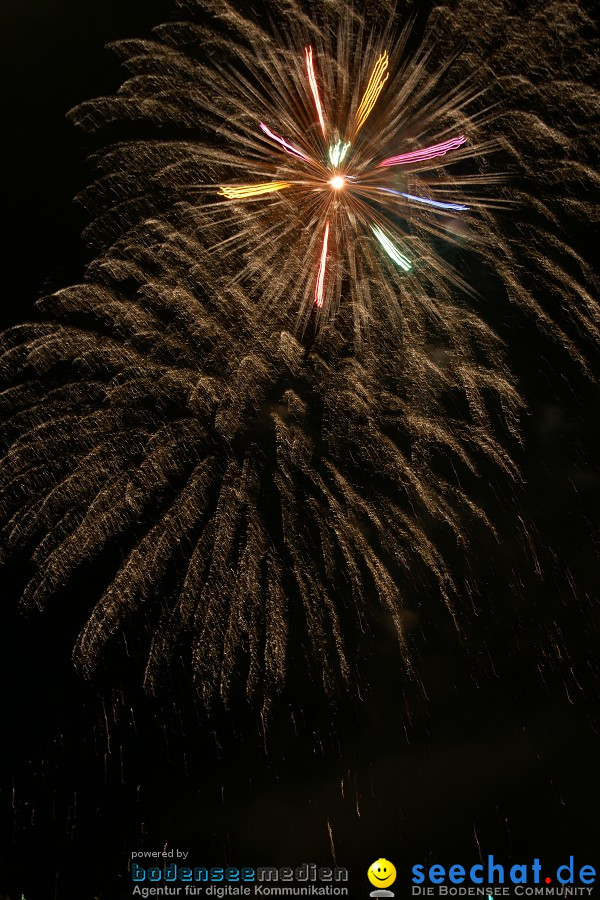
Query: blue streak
(437, 203)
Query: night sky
(501, 758)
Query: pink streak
(312, 78)
(321, 275)
(425, 153)
(287, 147)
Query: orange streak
(321, 275)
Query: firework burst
(354, 140)
(341, 191)
(256, 504)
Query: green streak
(392, 251)
(337, 152)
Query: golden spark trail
(374, 88)
(244, 191)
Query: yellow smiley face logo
(382, 873)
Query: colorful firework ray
(340, 185)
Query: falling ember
(312, 78)
(321, 274)
(378, 78)
(426, 153)
(245, 191)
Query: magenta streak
(287, 147)
(425, 153)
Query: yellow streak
(252, 190)
(374, 88)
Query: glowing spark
(321, 274)
(374, 88)
(391, 249)
(337, 182)
(337, 152)
(426, 153)
(242, 192)
(293, 151)
(314, 86)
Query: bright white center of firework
(337, 182)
